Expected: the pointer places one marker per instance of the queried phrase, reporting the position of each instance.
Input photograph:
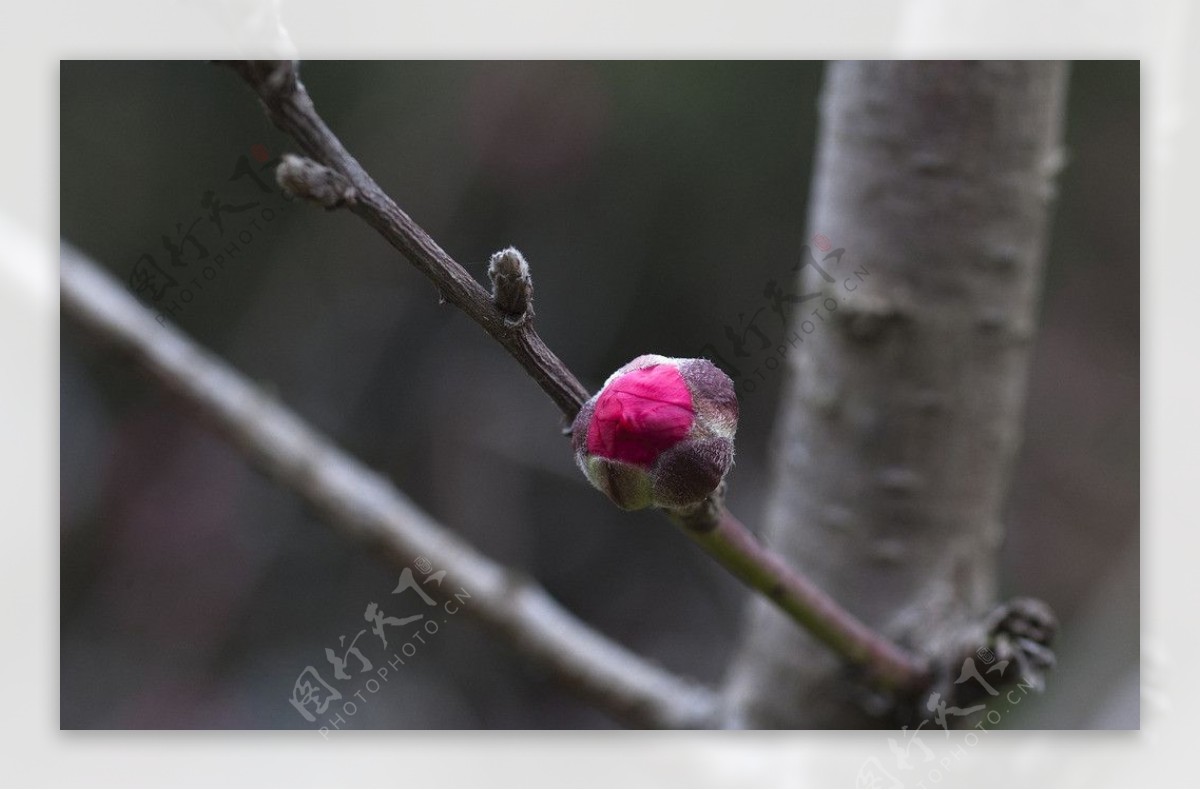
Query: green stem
(727, 540)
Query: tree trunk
(902, 414)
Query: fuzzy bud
(302, 177)
(658, 433)
(512, 287)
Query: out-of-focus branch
(364, 506)
(287, 102)
(898, 430)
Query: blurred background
(654, 201)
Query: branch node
(302, 177)
(1015, 648)
(1022, 631)
(512, 286)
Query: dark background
(654, 201)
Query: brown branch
(334, 177)
(366, 507)
(290, 108)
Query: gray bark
(902, 413)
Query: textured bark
(902, 414)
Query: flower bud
(658, 433)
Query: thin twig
(363, 505)
(725, 538)
(289, 106)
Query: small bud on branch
(658, 433)
(512, 286)
(304, 178)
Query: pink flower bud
(659, 432)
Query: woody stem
(288, 104)
(719, 533)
